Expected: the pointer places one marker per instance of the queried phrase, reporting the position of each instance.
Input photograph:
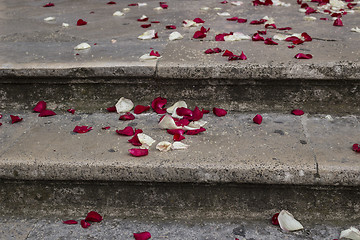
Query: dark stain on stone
(111, 150)
(303, 142)
(281, 132)
(239, 231)
(76, 118)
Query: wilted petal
(140, 109)
(40, 106)
(196, 131)
(199, 34)
(351, 233)
(147, 56)
(118, 14)
(0, 116)
(219, 112)
(269, 41)
(179, 146)
(273, 26)
(145, 140)
(197, 124)
(49, 19)
(82, 46)
(209, 51)
(124, 105)
(274, 219)
(135, 140)
(258, 22)
(306, 37)
(355, 29)
(175, 36)
(303, 56)
(127, 116)
(182, 111)
(47, 113)
(297, 112)
(291, 46)
(133, 4)
(153, 53)
(93, 217)
(338, 23)
(163, 146)
(70, 222)
(236, 36)
(167, 122)
(82, 129)
(155, 21)
(127, 131)
(257, 119)
(158, 105)
(81, 22)
(309, 18)
(142, 236)
(85, 224)
(136, 152)
(237, 3)
(182, 122)
(287, 221)
(284, 28)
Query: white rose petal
(118, 13)
(224, 14)
(237, 3)
(355, 29)
(197, 124)
(204, 8)
(168, 123)
(142, 4)
(148, 57)
(175, 36)
(302, 10)
(163, 146)
(309, 18)
(158, 8)
(143, 17)
(217, 8)
(176, 105)
(147, 35)
(237, 36)
(280, 37)
(49, 19)
(190, 23)
(351, 233)
(145, 140)
(124, 105)
(288, 222)
(179, 146)
(126, 9)
(337, 4)
(65, 25)
(82, 46)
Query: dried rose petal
(127, 116)
(170, 27)
(140, 109)
(232, 19)
(71, 110)
(111, 109)
(81, 22)
(303, 56)
(40, 106)
(145, 25)
(127, 131)
(274, 219)
(85, 224)
(70, 222)
(219, 112)
(15, 119)
(269, 41)
(306, 37)
(105, 128)
(284, 28)
(292, 38)
(49, 5)
(176, 131)
(304, 5)
(297, 112)
(93, 217)
(337, 15)
(242, 20)
(111, 2)
(47, 113)
(257, 37)
(205, 111)
(257, 119)
(198, 20)
(178, 137)
(158, 104)
(338, 23)
(142, 236)
(227, 53)
(137, 152)
(356, 147)
(196, 131)
(82, 129)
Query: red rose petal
(292, 38)
(262, 32)
(199, 34)
(155, 21)
(135, 141)
(40, 106)
(138, 131)
(81, 22)
(196, 131)
(227, 53)
(111, 109)
(196, 114)
(224, 2)
(274, 219)
(178, 137)
(15, 119)
(209, 51)
(356, 147)
(170, 27)
(217, 50)
(145, 25)
(303, 56)
(297, 112)
(269, 41)
(304, 5)
(182, 111)
(257, 37)
(71, 110)
(143, 19)
(232, 19)
(337, 15)
(137, 152)
(338, 23)
(47, 113)
(82, 129)
(306, 37)
(153, 53)
(111, 2)
(70, 222)
(127, 131)
(133, 4)
(142, 236)
(284, 28)
(158, 105)
(105, 128)
(182, 122)
(242, 56)
(127, 116)
(273, 26)
(176, 131)
(258, 22)
(242, 20)
(140, 108)
(219, 112)
(164, 6)
(49, 5)
(0, 116)
(85, 224)
(156, 36)
(93, 217)
(257, 119)
(291, 46)
(205, 111)
(310, 10)
(198, 20)
(324, 19)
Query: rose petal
(82, 129)
(149, 34)
(224, 2)
(93, 217)
(47, 113)
(118, 14)
(219, 112)
(287, 221)
(242, 20)
(0, 116)
(227, 53)
(175, 36)
(303, 56)
(163, 146)
(297, 112)
(140, 109)
(49, 5)
(49, 19)
(133, 4)
(135, 141)
(40, 106)
(310, 10)
(178, 137)
(82, 46)
(209, 51)
(70, 222)
(291, 46)
(258, 22)
(155, 21)
(269, 41)
(273, 26)
(217, 50)
(111, 109)
(284, 28)
(242, 56)
(199, 34)
(351, 233)
(176, 105)
(15, 119)
(262, 32)
(179, 146)
(338, 23)
(145, 140)
(142, 236)
(356, 147)
(198, 20)
(182, 122)
(111, 2)
(167, 122)
(232, 19)
(257, 37)
(164, 6)
(236, 36)
(71, 110)
(257, 119)
(145, 25)
(324, 19)
(0, 124)
(137, 152)
(81, 22)
(143, 18)
(127, 116)
(176, 131)
(105, 128)
(182, 111)
(127, 131)
(85, 224)
(196, 131)
(158, 105)
(170, 27)
(274, 219)
(153, 53)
